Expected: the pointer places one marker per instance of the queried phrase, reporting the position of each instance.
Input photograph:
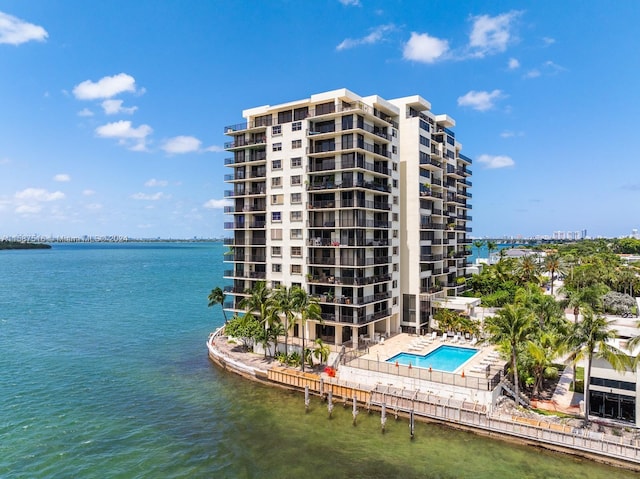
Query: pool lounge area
(448, 358)
(472, 374)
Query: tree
(259, 302)
(247, 328)
(552, 264)
(217, 297)
(491, 246)
(528, 270)
(321, 351)
(541, 352)
(284, 306)
(589, 340)
(512, 326)
(478, 244)
(306, 308)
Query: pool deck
(422, 345)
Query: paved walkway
(563, 399)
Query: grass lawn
(579, 381)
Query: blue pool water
(445, 358)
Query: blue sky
(112, 113)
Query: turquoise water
(104, 374)
(444, 358)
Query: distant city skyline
(113, 114)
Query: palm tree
(321, 350)
(552, 264)
(491, 246)
(259, 302)
(589, 340)
(478, 244)
(512, 326)
(284, 306)
(217, 297)
(542, 350)
(528, 270)
(307, 308)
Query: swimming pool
(444, 358)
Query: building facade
(361, 201)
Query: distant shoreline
(12, 245)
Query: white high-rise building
(361, 201)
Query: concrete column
(338, 334)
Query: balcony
(248, 125)
(245, 143)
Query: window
(395, 217)
(296, 251)
(297, 126)
(395, 300)
(296, 234)
(285, 116)
(395, 267)
(276, 233)
(276, 267)
(395, 233)
(296, 269)
(301, 113)
(394, 284)
(424, 141)
(394, 166)
(296, 162)
(276, 251)
(276, 130)
(277, 147)
(296, 180)
(275, 216)
(394, 132)
(276, 164)
(276, 182)
(395, 200)
(395, 250)
(394, 149)
(424, 125)
(395, 183)
(296, 144)
(296, 216)
(277, 199)
(296, 198)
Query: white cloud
(479, 100)
(4, 161)
(548, 41)
(214, 149)
(93, 206)
(181, 144)
(424, 48)
(535, 73)
(38, 194)
(513, 64)
(153, 182)
(491, 34)
(493, 162)
(216, 204)
(133, 138)
(85, 112)
(511, 134)
(14, 31)
(354, 3)
(28, 209)
(154, 197)
(106, 87)
(113, 107)
(376, 35)
(62, 177)
(88, 192)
